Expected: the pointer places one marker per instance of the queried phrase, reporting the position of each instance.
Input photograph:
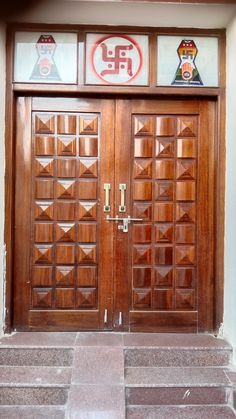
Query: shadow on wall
(12, 7)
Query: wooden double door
(114, 215)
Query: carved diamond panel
(143, 125)
(88, 168)
(185, 255)
(186, 126)
(165, 147)
(44, 167)
(142, 299)
(65, 298)
(142, 277)
(66, 146)
(143, 147)
(44, 145)
(142, 255)
(43, 211)
(165, 126)
(86, 298)
(66, 124)
(65, 276)
(43, 254)
(87, 254)
(88, 146)
(87, 211)
(44, 124)
(42, 298)
(142, 233)
(163, 276)
(66, 189)
(164, 191)
(164, 233)
(143, 210)
(88, 124)
(186, 169)
(185, 212)
(185, 299)
(65, 232)
(87, 276)
(142, 168)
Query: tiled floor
(93, 370)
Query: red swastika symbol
(117, 59)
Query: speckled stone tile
(93, 365)
(231, 374)
(176, 395)
(180, 340)
(96, 402)
(155, 357)
(57, 339)
(35, 375)
(183, 377)
(99, 339)
(180, 412)
(33, 395)
(31, 412)
(36, 356)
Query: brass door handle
(122, 206)
(107, 206)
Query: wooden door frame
(215, 94)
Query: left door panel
(64, 155)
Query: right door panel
(169, 253)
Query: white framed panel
(45, 57)
(187, 61)
(117, 59)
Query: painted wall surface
(2, 163)
(230, 199)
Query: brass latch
(125, 222)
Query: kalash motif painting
(187, 72)
(45, 67)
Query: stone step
(178, 386)
(38, 376)
(179, 412)
(32, 412)
(165, 350)
(33, 395)
(37, 356)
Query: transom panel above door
(116, 214)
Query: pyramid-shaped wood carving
(44, 167)
(87, 211)
(65, 232)
(164, 147)
(86, 298)
(186, 169)
(66, 146)
(142, 299)
(43, 254)
(44, 124)
(88, 168)
(142, 168)
(164, 234)
(164, 191)
(163, 276)
(185, 299)
(143, 211)
(142, 255)
(143, 125)
(42, 298)
(185, 255)
(186, 127)
(185, 212)
(65, 189)
(87, 254)
(88, 124)
(44, 211)
(65, 275)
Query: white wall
(230, 201)
(2, 161)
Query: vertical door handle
(122, 206)
(107, 206)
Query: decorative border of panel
(45, 57)
(117, 59)
(187, 61)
